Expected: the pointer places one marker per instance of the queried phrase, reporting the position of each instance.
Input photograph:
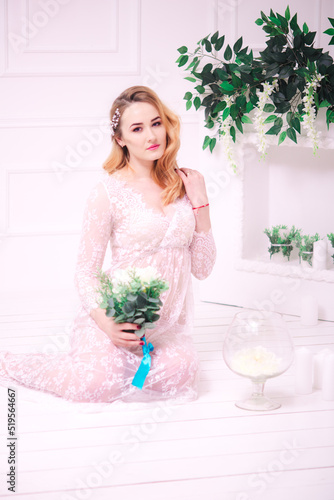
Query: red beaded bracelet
(197, 208)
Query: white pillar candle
(318, 367)
(319, 255)
(328, 378)
(309, 310)
(303, 370)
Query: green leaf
(226, 113)
(237, 46)
(278, 122)
(293, 23)
(268, 108)
(281, 137)
(183, 61)
(228, 53)
(239, 125)
(128, 307)
(264, 17)
(234, 111)
(331, 20)
(187, 96)
(259, 21)
(220, 106)
(207, 68)
(289, 117)
(226, 86)
(330, 31)
(246, 119)
(270, 119)
(276, 21)
(236, 81)
(287, 13)
(208, 46)
(305, 28)
(324, 104)
(214, 37)
(206, 142)
(221, 74)
(197, 102)
(139, 321)
(200, 89)
(296, 124)
(183, 49)
(190, 79)
(210, 124)
(212, 143)
(309, 38)
(232, 133)
(291, 133)
(249, 107)
(274, 130)
(219, 43)
(188, 105)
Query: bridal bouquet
(132, 295)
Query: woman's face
(142, 132)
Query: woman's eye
(136, 129)
(156, 123)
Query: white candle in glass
(318, 367)
(303, 370)
(328, 378)
(309, 310)
(319, 255)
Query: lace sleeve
(95, 234)
(203, 254)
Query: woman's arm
(203, 248)
(95, 235)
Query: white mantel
(293, 187)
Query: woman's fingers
(129, 326)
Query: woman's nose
(151, 135)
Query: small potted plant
(305, 245)
(281, 240)
(330, 236)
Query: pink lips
(153, 147)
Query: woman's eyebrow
(136, 124)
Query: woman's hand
(115, 331)
(194, 184)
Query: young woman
(153, 214)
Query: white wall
(62, 63)
(57, 83)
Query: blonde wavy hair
(163, 172)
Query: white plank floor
(205, 449)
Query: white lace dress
(95, 370)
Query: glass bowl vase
(258, 346)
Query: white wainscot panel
(71, 37)
(38, 204)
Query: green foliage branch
(305, 245)
(290, 59)
(131, 303)
(281, 239)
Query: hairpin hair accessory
(114, 121)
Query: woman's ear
(120, 142)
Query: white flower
(124, 277)
(309, 110)
(225, 136)
(256, 361)
(147, 274)
(264, 98)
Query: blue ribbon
(144, 367)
